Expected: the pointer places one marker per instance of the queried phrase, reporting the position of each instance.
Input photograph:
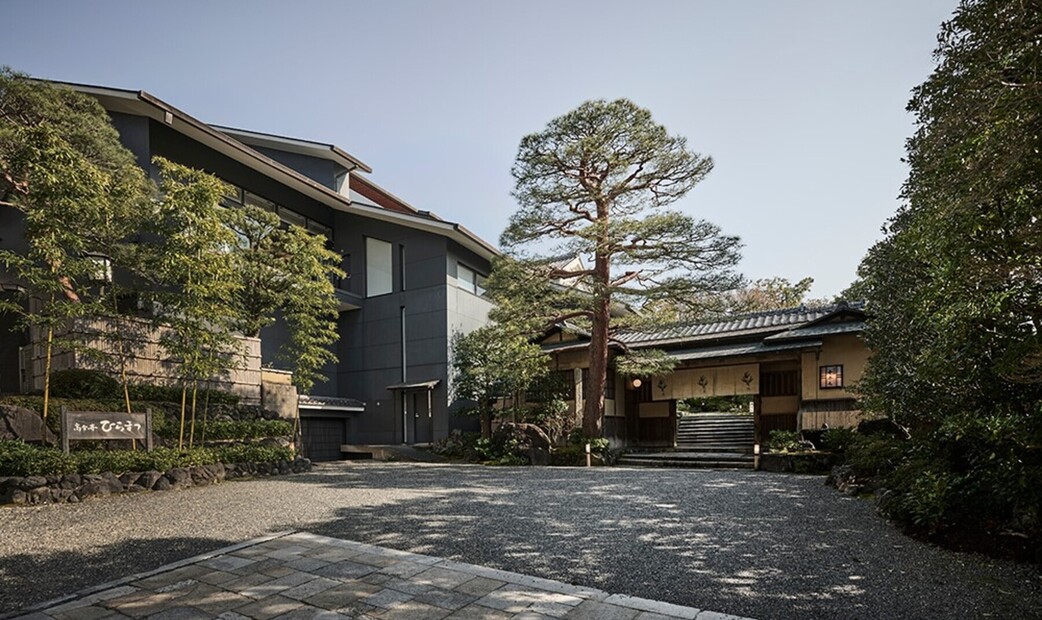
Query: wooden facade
(798, 367)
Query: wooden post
(64, 429)
(588, 463)
(148, 429)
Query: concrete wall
(323, 171)
(149, 363)
(371, 352)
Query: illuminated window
(831, 376)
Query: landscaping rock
(135, 488)
(130, 478)
(24, 424)
(149, 478)
(16, 496)
(180, 477)
(32, 482)
(162, 484)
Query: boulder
(70, 481)
(24, 424)
(162, 484)
(32, 482)
(180, 477)
(130, 478)
(149, 479)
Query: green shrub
(244, 429)
(252, 453)
(976, 472)
(458, 445)
(784, 441)
(83, 383)
(872, 455)
(838, 439)
(172, 394)
(20, 459)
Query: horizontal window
(469, 280)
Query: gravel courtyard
(753, 544)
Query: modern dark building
(413, 278)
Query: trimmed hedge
(21, 459)
(95, 385)
(165, 416)
(240, 429)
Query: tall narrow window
(377, 267)
(401, 267)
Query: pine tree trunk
(593, 410)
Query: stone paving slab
(298, 575)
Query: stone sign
(102, 425)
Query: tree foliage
(493, 362)
(187, 254)
(597, 182)
(99, 241)
(80, 195)
(286, 271)
(956, 284)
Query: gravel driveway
(748, 543)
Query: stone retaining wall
(78, 487)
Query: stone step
(716, 447)
(705, 460)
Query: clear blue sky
(800, 103)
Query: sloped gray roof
(749, 348)
(814, 331)
(745, 324)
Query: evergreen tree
(597, 182)
(80, 195)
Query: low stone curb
(78, 487)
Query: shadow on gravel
(747, 543)
(27, 580)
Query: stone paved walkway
(298, 576)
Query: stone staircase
(706, 440)
(716, 432)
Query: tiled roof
(745, 324)
(749, 348)
(814, 331)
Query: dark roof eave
(327, 196)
